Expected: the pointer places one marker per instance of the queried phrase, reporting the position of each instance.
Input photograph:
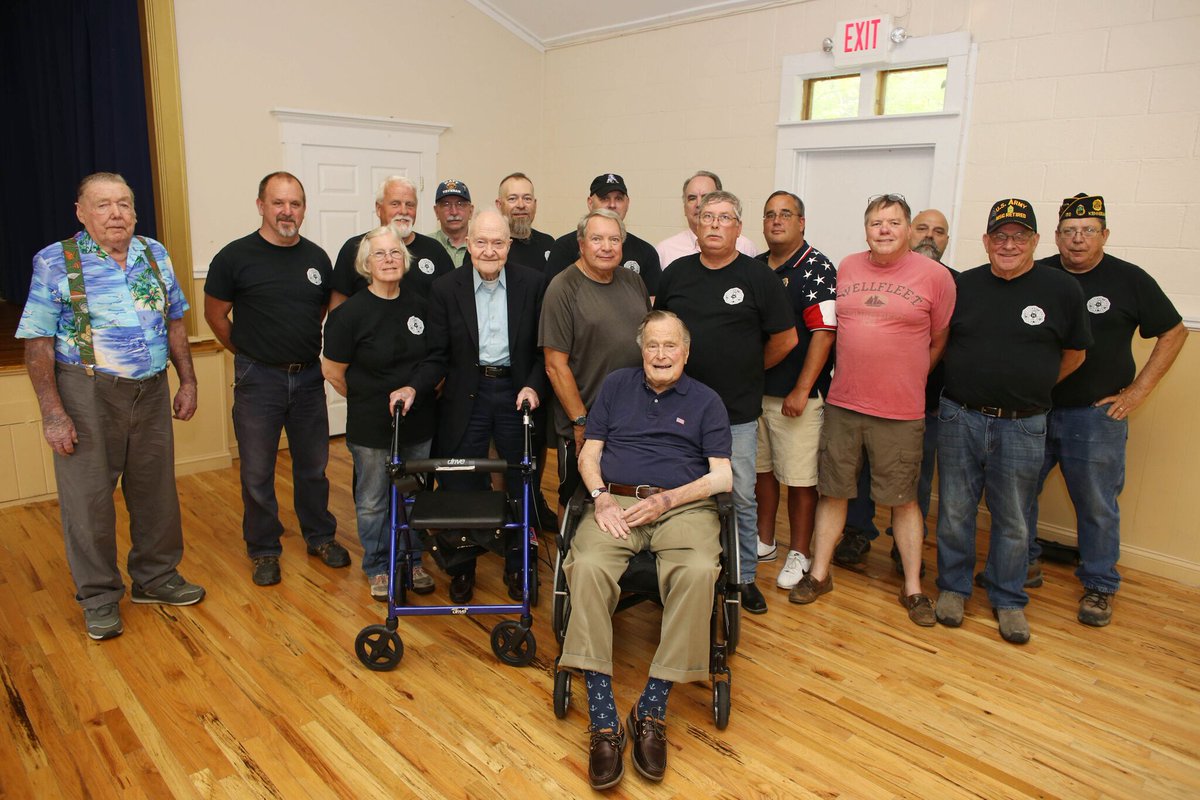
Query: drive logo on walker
(314, 276)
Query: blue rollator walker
(480, 520)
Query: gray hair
(659, 315)
(721, 197)
(882, 201)
(716, 179)
(388, 181)
(606, 213)
(481, 212)
(361, 265)
(101, 177)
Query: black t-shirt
(382, 341)
(730, 312)
(279, 295)
(1007, 337)
(1120, 298)
(937, 378)
(429, 261)
(810, 280)
(637, 255)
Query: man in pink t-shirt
(893, 312)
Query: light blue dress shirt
(491, 309)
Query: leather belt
(291, 368)
(1000, 413)
(494, 372)
(641, 491)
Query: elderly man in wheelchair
(656, 450)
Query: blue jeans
(1089, 447)
(745, 506)
(266, 401)
(1003, 457)
(372, 501)
(860, 513)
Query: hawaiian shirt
(126, 306)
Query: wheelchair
(481, 521)
(639, 584)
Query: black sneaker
(266, 570)
(852, 550)
(331, 554)
(752, 599)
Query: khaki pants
(686, 541)
(124, 430)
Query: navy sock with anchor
(602, 706)
(653, 702)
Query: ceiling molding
(672, 14)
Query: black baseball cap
(608, 182)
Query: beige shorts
(892, 445)
(788, 446)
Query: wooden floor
(255, 693)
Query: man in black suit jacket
(482, 339)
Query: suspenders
(83, 319)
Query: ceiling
(546, 25)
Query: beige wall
(419, 60)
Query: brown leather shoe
(649, 745)
(920, 608)
(809, 589)
(605, 764)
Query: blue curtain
(74, 102)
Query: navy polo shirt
(657, 439)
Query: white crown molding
(330, 119)
(514, 27)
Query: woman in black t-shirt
(373, 343)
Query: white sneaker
(793, 570)
(767, 552)
(379, 586)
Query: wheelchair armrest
(575, 508)
(730, 552)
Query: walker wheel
(378, 648)
(513, 644)
(721, 703)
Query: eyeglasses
(890, 198)
(454, 205)
(394, 255)
(1088, 232)
(784, 215)
(1020, 239)
(724, 220)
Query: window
(911, 91)
(914, 90)
(831, 98)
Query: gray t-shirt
(596, 325)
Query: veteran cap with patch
(1082, 206)
(608, 182)
(1011, 210)
(452, 188)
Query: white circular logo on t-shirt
(426, 266)
(314, 276)
(547, 255)
(734, 296)
(633, 266)
(416, 325)
(1098, 304)
(1032, 315)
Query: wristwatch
(597, 492)
(580, 421)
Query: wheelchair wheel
(562, 604)
(733, 627)
(562, 691)
(378, 648)
(513, 644)
(721, 702)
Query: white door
(836, 184)
(341, 183)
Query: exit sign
(862, 41)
